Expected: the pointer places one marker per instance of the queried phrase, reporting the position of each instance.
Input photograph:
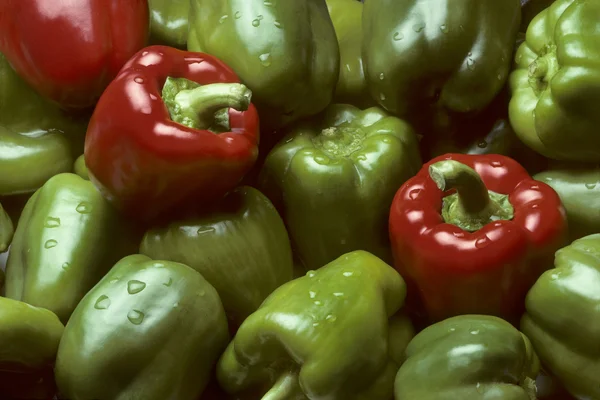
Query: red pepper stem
(450, 174)
(200, 105)
(285, 388)
(472, 206)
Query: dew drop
(590, 186)
(482, 242)
(136, 317)
(256, 21)
(268, 3)
(50, 243)
(202, 293)
(237, 15)
(347, 273)
(204, 230)
(114, 280)
(534, 206)
(223, 18)
(176, 304)
(321, 160)
(318, 303)
(265, 59)
(418, 27)
(474, 332)
(84, 208)
(338, 294)
(159, 265)
(311, 274)
(52, 222)
(382, 96)
(102, 303)
(330, 318)
(169, 283)
(315, 324)
(145, 53)
(444, 28)
(459, 235)
(471, 64)
(65, 265)
(135, 286)
(499, 77)
(414, 194)
(361, 157)
(398, 36)
(138, 79)
(496, 164)
(482, 144)
(312, 294)
(381, 76)
(277, 24)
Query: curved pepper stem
(200, 106)
(472, 206)
(285, 388)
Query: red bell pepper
(471, 234)
(171, 127)
(70, 50)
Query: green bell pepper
(169, 22)
(150, 329)
(29, 336)
(579, 189)
(351, 88)
(333, 179)
(80, 168)
(67, 238)
(556, 83)
(326, 335)
(6, 230)
(37, 140)
(432, 60)
(286, 52)
(240, 246)
(475, 357)
(563, 317)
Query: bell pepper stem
(196, 106)
(285, 388)
(473, 205)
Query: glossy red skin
(70, 50)
(452, 271)
(145, 163)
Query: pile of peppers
(300, 200)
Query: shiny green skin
(80, 168)
(241, 247)
(563, 317)
(553, 110)
(148, 330)
(67, 238)
(473, 357)
(351, 88)
(428, 59)
(285, 52)
(579, 190)
(334, 192)
(6, 230)
(29, 336)
(328, 331)
(37, 140)
(169, 22)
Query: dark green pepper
(474, 357)
(37, 140)
(67, 238)
(6, 230)
(351, 88)
(430, 60)
(332, 334)
(579, 189)
(333, 179)
(285, 51)
(80, 168)
(148, 330)
(169, 22)
(241, 247)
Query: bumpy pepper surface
(148, 330)
(351, 88)
(579, 189)
(67, 238)
(333, 179)
(473, 357)
(168, 130)
(37, 140)
(285, 52)
(169, 22)
(563, 317)
(556, 84)
(429, 59)
(240, 246)
(69, 51)
(321, 336)
(465, 223)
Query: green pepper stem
(201, 104)
(285, 388)
(472, 206)
(450, 174)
